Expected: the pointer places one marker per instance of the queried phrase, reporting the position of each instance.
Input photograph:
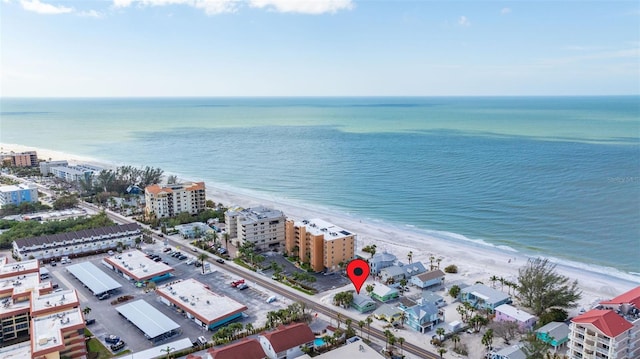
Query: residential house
(611, 331)
(244, 349)
(383, 293)
(380, 261)
(287, 341)
(512, 352)
(354, 349)
(413, 269)
(555, 334)
(423, 317)
(193, 230)
(429, 279)
(388, 313)
(509, 313)
(392, 274)
(363, 303)
(482, 297)
(429, 297)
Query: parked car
(220, 260)
(89, 321)
(112, 339)
(271, 299)
(104, 296)
(167, 249)
(237, 282)
(117, 346)
(182, 257)
(198, 264)
(53, 263)
(242, 286)
(157, 259)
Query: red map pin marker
(358, 271)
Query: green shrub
(452, 268)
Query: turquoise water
(318, 342)
(552, 176)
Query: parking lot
(108, 321)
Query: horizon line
(303, 97)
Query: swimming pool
(318, 342)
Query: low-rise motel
(206, 308)
(40, 324)
(136, 266)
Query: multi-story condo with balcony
(323, 245)
(51, 322)
(169, 200)
(16, 194)
(73, 173)
(72, 244)
(262, 226)
(610, 331)
(21, 159)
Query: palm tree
(403, 283)
(86, 311)
(410, 256)
(249, 328)
(369, 320)
(455, 338)
(361, 324)
(369, 288)
(339, 319)
(226, 241)
(168, 350)
(440, 332)
(438, 261)
(441, 351)
(431, 259)
(202, 257)
(493, 280)
(403, 317)
(401, 341)
(487, 339)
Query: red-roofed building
(612, 332)
(287, 341)
(244, 349)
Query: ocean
(551, 176)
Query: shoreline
(477, 260)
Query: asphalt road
(268, 284)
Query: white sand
(475, 262)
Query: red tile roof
(155, 189)
(291, 336)
(632, 297)
(245, 349)
(607, 321)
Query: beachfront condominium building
(45, 166)
(262, 226)
(16, 194)
(73, 173)
(610, 331)
(22, 159)
(169, 200)
(323, 245)
(52, 322)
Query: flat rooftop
(137, 265)
(49, 302)
(318, 226)
(95, 279)
(13, 269)
(256, 214)
(16, 351)
(355, 350)
(147, 318)
(195, 298)
(46, 331)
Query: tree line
(120, 179)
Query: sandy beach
(475, 262)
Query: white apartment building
(76, 243)
(611, 331)
(45, 167)
(16, 194)
(260, 225)
(170, 200)
(73, 173)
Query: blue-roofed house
(555, 334)
(363, 303)
(512, 352)
(413, 269)
(428, 279)
(422, 317)
(392, 274)
(431, 298)
(380, 261)
(482, 297)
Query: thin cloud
(505, 11)
(312, 7)
(463, 21)
(90, 13)
(44, 8)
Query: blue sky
(318, 48)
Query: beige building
(52, 323)
(173, 199)
(21, 159)
(611, 331)
(321, 244)
(260, 225)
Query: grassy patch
(95, 346)
(240, 262)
